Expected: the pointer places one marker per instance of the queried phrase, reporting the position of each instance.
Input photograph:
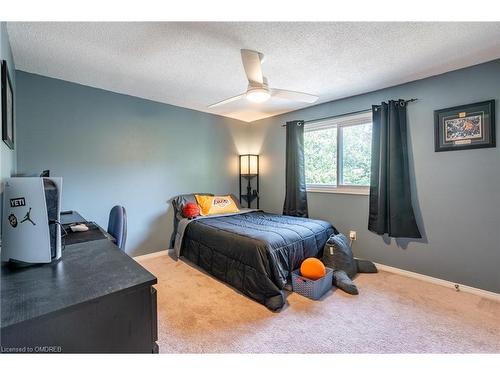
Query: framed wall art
(7, 107)
(465, 127)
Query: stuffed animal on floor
(338, 256)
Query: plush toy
(312, 268)
(190, 210)
(338, 256)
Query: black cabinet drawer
(124, 322)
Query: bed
(253, 251)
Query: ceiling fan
(258, 90)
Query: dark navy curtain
(295, 194)
(391, 209)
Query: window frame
(339, 123)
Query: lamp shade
(249, 164)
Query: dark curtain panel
(391, 210)
(296, 197)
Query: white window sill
(340, 190)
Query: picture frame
(465, 127)
(7, 107)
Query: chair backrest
(117, 225)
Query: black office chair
(117, 225)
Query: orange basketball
(191, 210)
(312, 268)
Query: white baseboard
(448, 284)
(151, 255)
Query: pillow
(338, 255)
(178, 203)
(344, 282)
(365, 266)
(235, 200)
(210, 205)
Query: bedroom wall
(7, 156)
(456, 194)
(118, 149)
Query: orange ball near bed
(312, 268)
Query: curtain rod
(353, 113)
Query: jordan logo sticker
(27, 217)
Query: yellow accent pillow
(210, 205)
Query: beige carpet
(392, 314)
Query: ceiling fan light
(258, 95)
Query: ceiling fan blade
(226, 101)
(252, 64)
(294, 95)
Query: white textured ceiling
(195, 64)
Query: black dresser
(95, 299)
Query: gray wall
(456, 194)
(117, 149)
(7, 156)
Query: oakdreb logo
(221, 202)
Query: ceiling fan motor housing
(258, 92)
(253, 85)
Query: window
(337, 154)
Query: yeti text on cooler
(17, 202)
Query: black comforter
(255, 252)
